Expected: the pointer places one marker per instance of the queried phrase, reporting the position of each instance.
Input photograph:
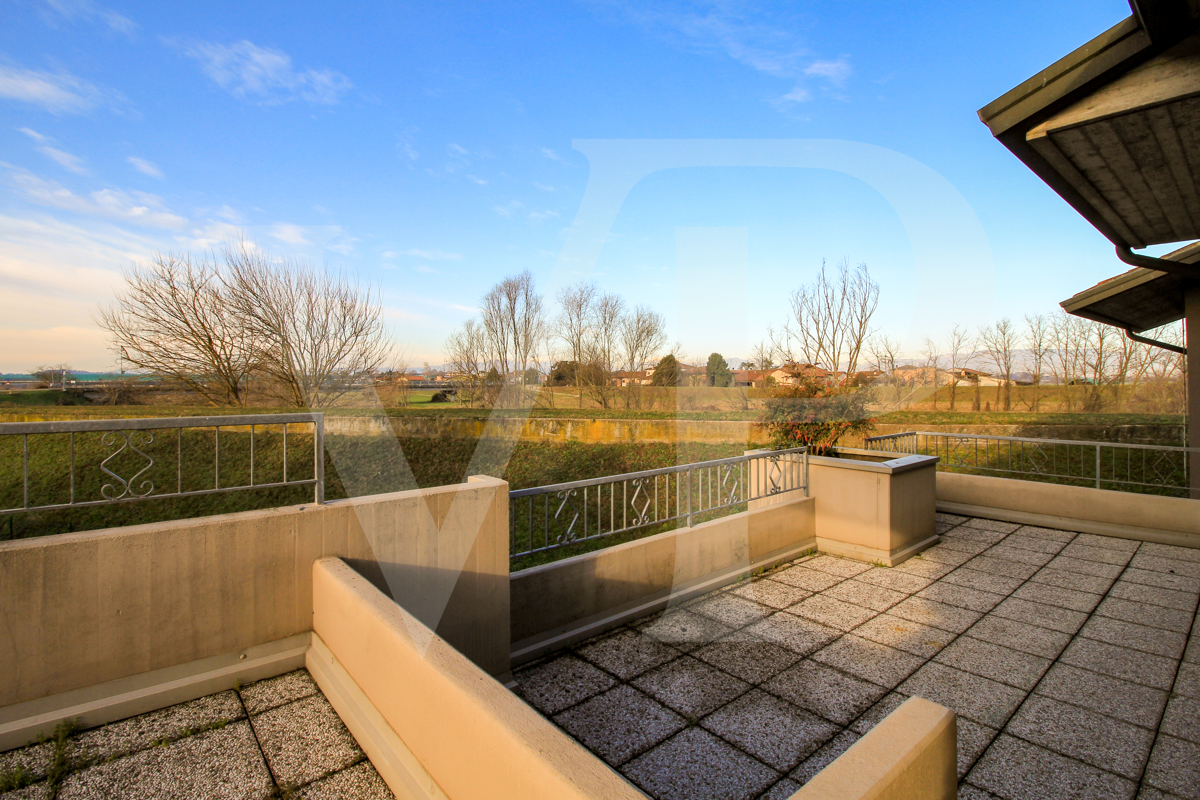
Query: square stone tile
(834, 695)
(950, 519)
(619, 724)
(1058, 596)
(304, 740)
(1120, 662)
(863, 658)
(991, 525)
(220, 764)
(866, 595)
(1072, 580)
(734, 611)
(1169, 619)
(1154, 595)
(1056, 619)
(781, 791)
(1085, 567)
(973, 739)
(697, 764)
(1187, 681)
(963, 545)
(803, 577)
(1002, 664)
(173, 722)
(1020, 636)
(974, 535)
(1174, 767)
(559, 683)
(922, 567)
(841, 567)
(968, 792)
(33, 791)
(796, 634)
(1182, 718)
(752, 660)
(1105, 555)
(1109, 542)
(892, 579)
(1131, 702)
(1139, 637)
(942, 527)
(625, 653)
(34, 760)
(690, 686)
(947, 556)
(903, 634)
(683, 629)
(1163, 580)
(1192, 653)
(828, 611)
(1017, 770)
(771, 729)
(771, 593)
(962, 596)
(1019, 554)
(1046, 533)
(1169, 551)
(1171, 566)
(1038, 544)
(935, 614)
(1083, 734)
(986, 701)
(360, 782)
(984, 581)
(1002, 566)
(823, 757)
(876, 713)
(274, 692)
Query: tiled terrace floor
(1067, 658)
(275, 738)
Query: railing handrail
(1035, 440)
(557, 487)
(154, 423)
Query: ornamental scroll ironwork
(129, 441)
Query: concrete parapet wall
(1151, 518)
(92, 608)
(556, 604)
(433, 723)
(911, 755)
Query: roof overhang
(1114, 127)
(1138, 300)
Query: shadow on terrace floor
(1071, 660)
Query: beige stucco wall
(87, 608)
(874, 511)
(467, 735)
(911, 755)
(1170, 520)
(579, 596)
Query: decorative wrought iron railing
(552, 517)
(1103, 465)
(95, 462)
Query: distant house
(624, 378)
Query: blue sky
(428, 148)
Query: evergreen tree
(717, 372)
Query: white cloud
(836, 72)
(478, 180)
(139, 208)
(508, 209)
(65, 160)
(543, 186)
(538, 216)
(32, 134)
(796, 95)
(145, 167)
(456, 149)
(289, 233)
(85, 9)
(428, 270)
(342, 242)
(246, 71)
(59, 93)
(428, 255)
(550, 154)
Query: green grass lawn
(918, 418)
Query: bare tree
(831, 318)
(960, 347)
(1037, 346)
(174, 318)
(467, 359)
(51, 374)
(931, 360)
(514, 318)
(604, 348)
(1066, 337)
(885, 357)
(319, 334)
(999, 342)
(643, 333)
(575, 319)
(763, 356)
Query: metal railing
(120, 460)
(1103, 465)
(552, 517)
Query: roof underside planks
(1138, 300)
